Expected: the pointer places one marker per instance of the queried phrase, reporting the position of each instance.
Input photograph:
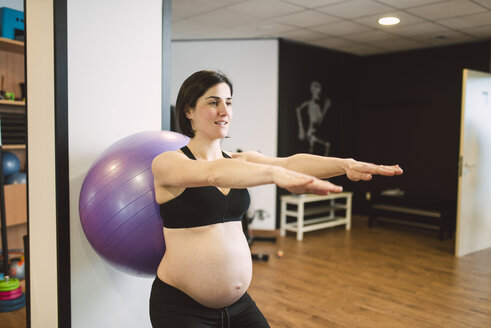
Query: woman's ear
(188, 113)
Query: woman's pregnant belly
(212, 264)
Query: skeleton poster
(315, 91)
(310, 115)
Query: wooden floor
(14, 319)
(385, 276)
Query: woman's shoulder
(168, 157)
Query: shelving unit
(12, 68)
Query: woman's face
(213, 112)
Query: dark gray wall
(299, 65)
(394, 108)
(409, 113)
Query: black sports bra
(200, 206)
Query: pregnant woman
(204, 275)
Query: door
(474, 191)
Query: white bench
(322, 215)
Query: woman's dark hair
(194, 87)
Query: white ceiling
(346, 25)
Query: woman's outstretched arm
(322, 167)
(176, 170)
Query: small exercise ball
(11, 163)
(17, 268)
(16, 178)
(117, 206)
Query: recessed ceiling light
(389, 21)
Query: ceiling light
(389, 21)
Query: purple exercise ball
(117, 206)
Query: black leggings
(172, 308)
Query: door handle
(463, 167)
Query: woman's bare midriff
(212, 264)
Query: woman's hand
(299, 183)
(356, 171)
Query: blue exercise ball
(16, 178)
(11, 163)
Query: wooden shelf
(12, 107)
(13, 147)
(12, 102)
(11, 45)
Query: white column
(41, 154)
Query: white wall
(114, 90)
(13, 4)
(41, 154)
(252, 66)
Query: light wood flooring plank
(385, 276)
